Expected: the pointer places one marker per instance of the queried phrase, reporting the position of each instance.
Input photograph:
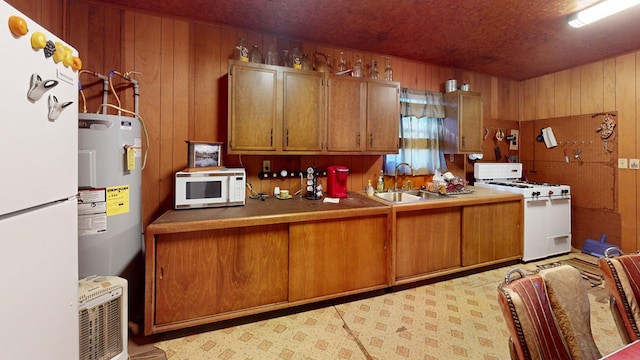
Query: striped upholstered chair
(621, 275)
(548, 315)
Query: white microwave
(210, 188)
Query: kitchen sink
(398, 197)
(409, 196)
(427, 195)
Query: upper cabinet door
(253, 110)
(303, 110)
(347, 114)
(463, 122)
(471, 115)
(383, 116)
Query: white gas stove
(506, 177)
(547, 208)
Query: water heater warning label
(92, 212)
(117, 200)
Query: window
(421, 133)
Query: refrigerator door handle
(55, 107)
(38, 87)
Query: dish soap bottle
(381, 182)
(369, 188)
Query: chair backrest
(621, 275)
(548, 314)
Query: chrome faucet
(395, 177)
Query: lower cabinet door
(427, 241)
(205, 273)
(491, 232)
(337, 256)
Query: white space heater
(102, 311)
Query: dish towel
(549, 138)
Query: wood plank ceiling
(515, 39)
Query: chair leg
(617, 318)
(512, 350)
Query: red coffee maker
(337, 181)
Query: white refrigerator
(38, 206)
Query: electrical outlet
(623, 163)
(266, 165)
(634, 164)
(513, 145)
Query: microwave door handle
(228, 180)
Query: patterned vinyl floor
(453, 319)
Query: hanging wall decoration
(606, 129)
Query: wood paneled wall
(183, 92)
(604, 86)
(183, 86)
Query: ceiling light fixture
(599, 11)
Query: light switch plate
(623, 163)
(634, 164)
(513, 145)
(266, 165)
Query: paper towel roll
(549, 138)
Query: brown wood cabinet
(427, 241)
(201, 274)
(383, 116)
(463, 122)
(347, 114)
(209, 265)
(275, 109)
(363, 116)
(491, 232)
(303, 116)
(254, 120)
(337, 256)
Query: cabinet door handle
(161, 275)
(358, 139)
(371, 139)
(287, 138)
(271, 137)
(463, 145)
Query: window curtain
(421, 134)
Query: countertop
(297, 209)
(269, 211)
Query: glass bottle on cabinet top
(255, 56)
(241, 52)
(285, 59)
(374, 75)
(342, 63)
(358, 71)
(388, 71)
(271, 58)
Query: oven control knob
(550, 192)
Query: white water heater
(110, 194)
